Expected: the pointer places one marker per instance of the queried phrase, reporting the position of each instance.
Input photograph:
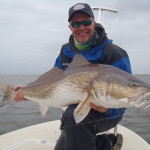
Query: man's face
(83, 33)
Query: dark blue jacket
(102, 51)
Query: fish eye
(133, 85)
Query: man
(89, 39)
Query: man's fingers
(98, 108)
(15, 88)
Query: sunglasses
(76, 24)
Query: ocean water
(26, 113)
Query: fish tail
(7, 93)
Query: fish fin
(7, 93)
(82, 110)
(48, 75)
(43, 109)
(78, 61)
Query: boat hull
(44, 136)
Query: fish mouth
(141, 101)
(146, 105)
(146, 98)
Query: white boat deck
(43, 137)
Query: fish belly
(110, 102)
(59, 96)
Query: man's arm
(119, 58)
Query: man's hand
(98, 108)
(19, 95)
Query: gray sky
(33, 31)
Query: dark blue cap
(80, 7)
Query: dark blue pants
(82, 136)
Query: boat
(44, 136)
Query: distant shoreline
(141, 74)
